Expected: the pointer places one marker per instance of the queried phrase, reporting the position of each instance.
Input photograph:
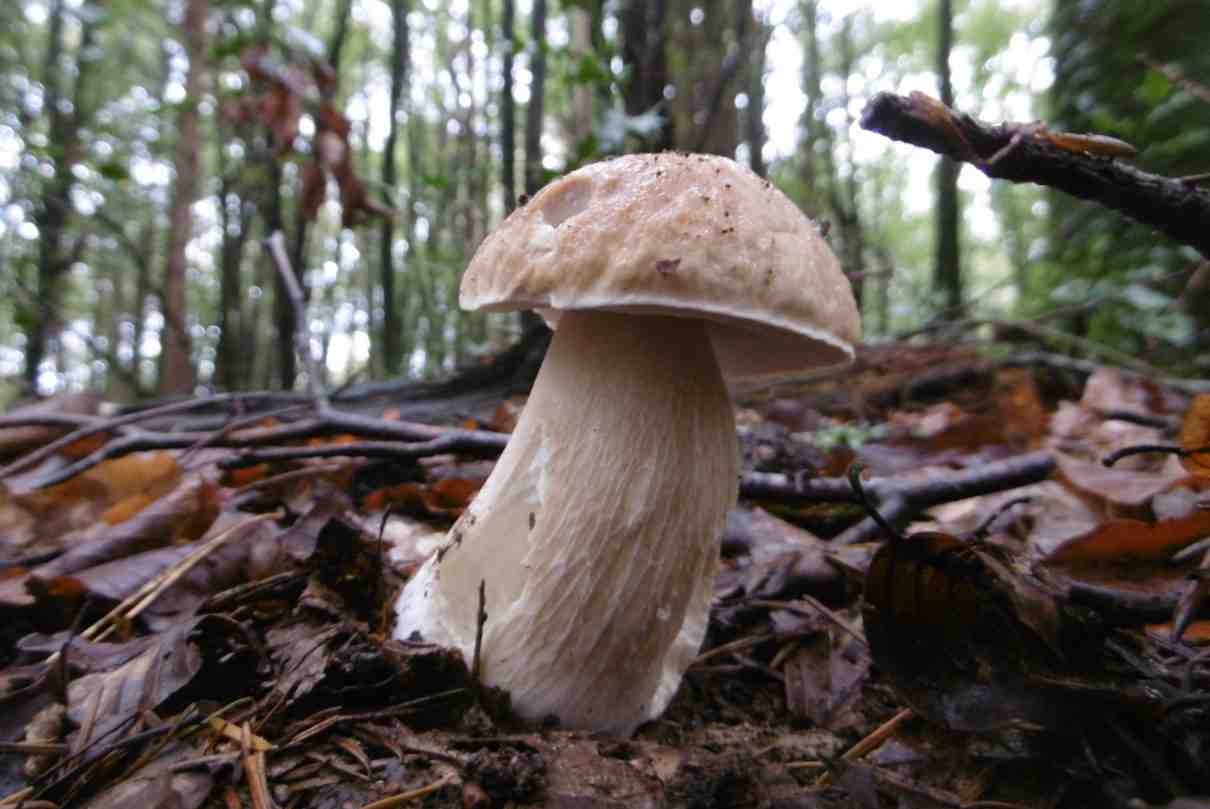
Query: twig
(328, 422)
(411, 795)
(480, 622)
(452, 442)
(108, 425)
(1084, 367)
(1146, 449)
(873, 741)
(1037, 156)
(276, 245)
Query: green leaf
(114, 171)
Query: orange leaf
(455, 492)
(1121, 540)
(244, 475)
(1195, 435)
(85, 446)
(1197, 632)
(126, 508)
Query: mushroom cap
(680, 234)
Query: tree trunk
(812, 128)
(947, 271)
(232, 354)
(537, 92)
(533, 122)
(392, 326)
(508, 122)
(848, 206)
(54, 210)
(176, 375)
(645, 53)
(754, 114)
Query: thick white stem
(597, 532)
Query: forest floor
(203, 622)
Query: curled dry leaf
(964, 638)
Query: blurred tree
(644, 33)
(65, 110)
(508, 125)
(1117, 71)
(391, 336)
(176, 371)
(947, 267)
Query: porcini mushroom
(597, 533)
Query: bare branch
(1085, 166)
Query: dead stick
(276, 245)
(1025, 153)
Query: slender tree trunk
(232, 353)
(176, 376)
(644, 25)
(534, 115)
(754, 114)
(580, 21)
(392, 326)
(809, 169)
(947, 271)
(508, 121)
(853, 259)
(54, 210)
(537, 96)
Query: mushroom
(597, 533)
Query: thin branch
(1084, 166)
(276, 245)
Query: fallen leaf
(1129, 488)
(180, 516)
(1126, 541)
(1195, 435)
(100, 703)
(167, 782)
(824, 680)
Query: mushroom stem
(598, 530)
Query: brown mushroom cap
(680, 234)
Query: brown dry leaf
(445, 498)
(1195, 435)
(180, 516)
(162, 789)
(1126, 541)
(962, 635)
(824, 680)
(314, 190)
(1023, 417)
(83, 447)
(1121, 487)
(504, 419)
(1196, 632)
(256, 550)
(244, 475)
(1108, 389)
(101, 702)
(17, 440)
(774, 559)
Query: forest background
(150, 149)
